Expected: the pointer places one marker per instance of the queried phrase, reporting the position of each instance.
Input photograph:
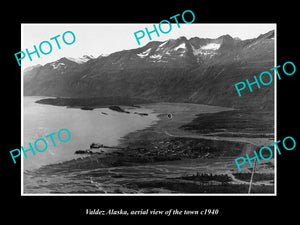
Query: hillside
(198, 70)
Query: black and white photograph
(108, 112)
(136, 112)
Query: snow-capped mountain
(82, 59)
(64, 64)
(200, 70)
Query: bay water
(100, 125)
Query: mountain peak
(27, 69)
(267, 35)
(82, 59)
(178, 70)
(225, 37)
(182, 38)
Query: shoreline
(98, 102)
(98, 121)
(164, 144)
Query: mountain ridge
(196, 70)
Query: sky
(104, 39)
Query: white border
(22, 124)
(157, 194)
(275, 112)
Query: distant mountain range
(196, 70)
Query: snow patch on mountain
(57, 65)
(161, 45)
(211, 46)
(156, 56)
(196, 51)
(206, 51)
(82, 59)
(144, 54)
(182, 45)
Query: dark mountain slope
(195, 70)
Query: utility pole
(253, 170)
